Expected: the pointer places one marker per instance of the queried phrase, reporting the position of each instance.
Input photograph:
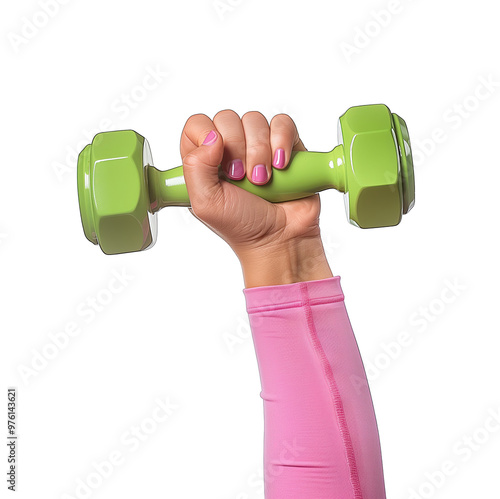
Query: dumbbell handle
(307, 173)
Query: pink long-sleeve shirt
(320, 433)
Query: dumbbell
(120, 191)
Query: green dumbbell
(120, 192)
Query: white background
(167, 334)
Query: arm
(320, 439)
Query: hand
(273, 241)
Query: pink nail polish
(259, 173)
(235, 169)
(210, 139)
(279, 158)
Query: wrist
(285, 263)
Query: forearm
(290, 262)
(321, 438)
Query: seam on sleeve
(337, 401)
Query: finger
(229, 125)
(258, 148)
(284, 139)
(196, 128)
(201, 149)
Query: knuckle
(195, 118)
(190, 160)
(252, 115)
(234, 138)
(261, 137)
(282, 121)
(257, 148)
(226, 113)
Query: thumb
(201, 168)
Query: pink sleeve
(320, 434)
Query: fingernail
(210, 139)
(279, 158)
(235, 170)
(259, 173)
